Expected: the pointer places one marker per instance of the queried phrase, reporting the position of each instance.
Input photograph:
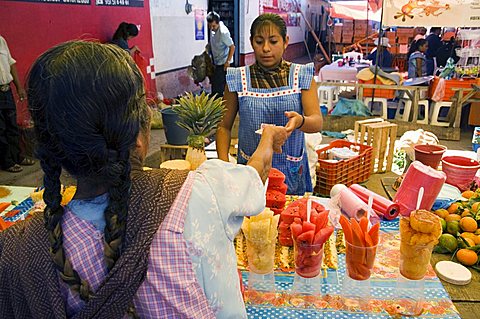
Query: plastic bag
(350, 107)
(156, 122)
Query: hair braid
(53, 217)
(117, 211)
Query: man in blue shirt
(222, 49)
(385, 57)
(434, 43)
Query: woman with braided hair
(149, 244)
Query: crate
(380, 135)
(379, 93)
(348, 172)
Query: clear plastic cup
(261, 255)
(308, 259)
(409, 296)
(359, 261)
(414, 259)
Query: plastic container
(175, 134)
(347, 172)
(460, 171)
(430, 155)
(419, 175)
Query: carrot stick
(347, 229)
(356, 249)
(358, 237)
(374, 233)
(364, 224)
(370, 251)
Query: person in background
(420, 33)
(385, 57)
(447, 50)
(222, 49)
(434, 43)
(124, 33)
(417, 66)
(272, 91)
(147, 243)
(10, 157)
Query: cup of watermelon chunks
(308, 239)
(361, 247)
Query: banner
(289, 10)
(85, 2)
(119, 3)
(199, 24)
(432, 13)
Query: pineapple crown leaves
(199, 114)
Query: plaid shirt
(261, 78)
(164, 293)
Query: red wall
(31, 28)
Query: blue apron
(257, 106)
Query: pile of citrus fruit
(461, 229)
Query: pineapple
(200, 115)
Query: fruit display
(296, 209)
(276, 191)
(419, 233)
(309, 236)
(361, 246)
(261, 235)
(461, 233)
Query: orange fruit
(453, 208)
(453, 217)
(475, 207)
(470, 242)
(466, 213)
(467, 257)
(476, 240)
(468, 224)
(468, 235)
(468, 194)
(442, 213)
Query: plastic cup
(414, 259)
(261, 255)
(429, 155)
(409, 296)
(308, 259)
(360, 261)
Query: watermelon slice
(285, 240)
(276, 211)
(275, 199)
(308, 227)
(275, 177)
(288, 215)
(296, 229)
(322, 235)
(322, 220)
(282, 188)
(306, 238)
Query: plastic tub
(460, 171)
(430, 155)
(175, 134)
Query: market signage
(119, 3)
(87, 2)
(439, 13)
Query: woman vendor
(272, 91)
(150, 244)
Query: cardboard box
(405, 32)
(403, 40)
(337, 38)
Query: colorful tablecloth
(331, 305)
(22, 203)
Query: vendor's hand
(22, 94)
(295, 120)
(226, 65)
(277, 134)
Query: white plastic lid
(453, 273)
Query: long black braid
(86, 100)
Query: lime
(453, 227)
(448, 242)
(444, 224)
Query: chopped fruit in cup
(308, 239)
(361, 247)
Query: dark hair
(86, 101)
(435, 29)
(266, 20)
(415, 46)
(213, 17)
(125, 30)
